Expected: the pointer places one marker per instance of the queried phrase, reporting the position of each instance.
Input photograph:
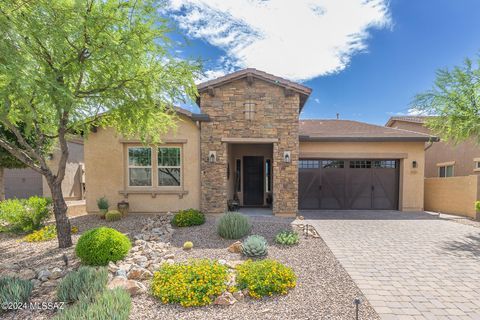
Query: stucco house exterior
(452, 171)
(248, 144)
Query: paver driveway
(408, 265)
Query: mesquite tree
(67, 66)
(454, 103)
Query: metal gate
(348, 184)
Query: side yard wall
(455, 195)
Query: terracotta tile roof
(348, 130)
(304, 91)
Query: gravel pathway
(324, 289)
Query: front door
(253, 181)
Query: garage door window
(309, 164)
(332, 164)
(385, 164)
(360, 164)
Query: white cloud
(410, 112)
(299, 39)
(317, 100)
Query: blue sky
(363, 59)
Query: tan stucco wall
(463, 154)
(106, 171)
(455, 195)
(411, 180)
(72, 187)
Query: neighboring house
(248, 144)
(444, 159)
(24, 183)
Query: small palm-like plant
(233, 225)
(254, 246)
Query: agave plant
(254, 246)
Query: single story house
(249, 145)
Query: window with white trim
(139, 167)
(477, 165)
(169, 167)
(445, 171)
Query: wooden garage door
(348, 184)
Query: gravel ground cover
(324, 289)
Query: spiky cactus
(254, 246)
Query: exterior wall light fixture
(287, 156)
(212, 156)
(414, 164)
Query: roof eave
(367, 139)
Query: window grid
(309, 164)
(169, 167)
(327, 164)
(139, 165)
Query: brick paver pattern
(408, 265)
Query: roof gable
(250, 74)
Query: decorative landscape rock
(139, 273)
(133, 287)
(235, 247)
(43, 275)
(27, 274)
(55, 274)
(225, 299)
(239, 296)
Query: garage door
(348, 184)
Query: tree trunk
(61, 219)
(2, 184)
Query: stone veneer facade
(276, 117)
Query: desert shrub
(98, 246)
(14, 290)
(85, 283)
(102, 203)
(287, 237)
(233, 225)
(113, 215)
(477, 206)
(254, 246)
(109, 305)
(24, 215)
(265, 278)
(187, 218)
(44, 234)
(196, 283)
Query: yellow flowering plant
(191, 284)
(265, 278)
(44, 234)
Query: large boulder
(133, 287)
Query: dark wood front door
(253, 181)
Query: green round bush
(113, 215)
(98, 246)
(188, 218)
